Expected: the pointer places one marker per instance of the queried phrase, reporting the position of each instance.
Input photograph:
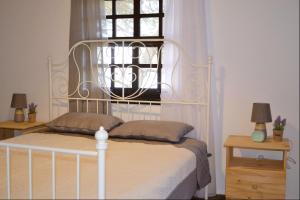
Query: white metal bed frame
(101, 135)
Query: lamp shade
(19, 101)
(261, 113)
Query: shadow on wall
(292, 134)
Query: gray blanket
(200, 150)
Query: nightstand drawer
(254, 184)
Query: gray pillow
(87, 123)
(152, 130)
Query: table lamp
(261, 113)
(19, 102)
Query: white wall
(255, 44)
(30, 31)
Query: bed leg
(101, 146)
(206, 193)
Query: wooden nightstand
(10, 129)
(252, 178)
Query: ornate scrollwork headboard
(107, 65)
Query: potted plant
(278, 128)
(32, 112)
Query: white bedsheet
(134, 170)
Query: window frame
(151, 94)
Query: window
(134, 19)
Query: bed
(61, 164)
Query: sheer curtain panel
(185, 23)
(87, 23)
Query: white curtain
(185, 23)
(87, 23)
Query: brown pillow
(87, 123)
(152, 130)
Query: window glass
(149, 26)
(107, 77)
(148, 55)
(149, 6)
(107, 32)
(126, 51)
(108, 7)
(124, 7)
(124, 27)
(123, 77)
(148, 78)
(104, 54)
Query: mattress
(134, 170)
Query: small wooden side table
(255, 178)
(9, 129)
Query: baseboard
(217, 197)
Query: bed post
(50, 86)
(101, 146)
(210, 62)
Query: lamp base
(258, 136)
(261, 127)
(19, 115)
